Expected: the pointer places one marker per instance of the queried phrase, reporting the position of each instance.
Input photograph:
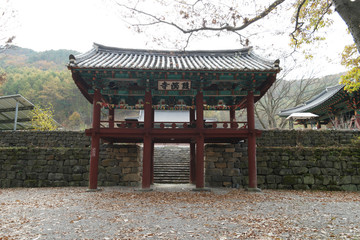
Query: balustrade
(175, 125)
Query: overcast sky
(77, 24)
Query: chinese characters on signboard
(174, 85)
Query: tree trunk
(349, 12)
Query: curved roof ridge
(100, 47)
(324, 95)
(210, 60)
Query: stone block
(227, 184)
(215, 184)
(73, 162)
(344, 180)
(59, 176)
(319, 187)
(30, 183)
(330, 171)
(231, 172)
(84, 162)
(221, 178)
(77, 177)
(131, 178)
(300, 170)
(11, 175)
(285, 187)
(114, 178)
(264, 170)
(261, 164)
(292, 180)
(314, 171)
(2, 175)
(128, 159)
(301, 187)
(285, 171)
(334, 188)
(129, 164)
(295, 163)
(209, 165)
(261, 179)
(42, 176)
(236, 179)
(349, 187)
(21, 175)
(237, 154)
(220, 165)
(270, 179)
(355, 179)
(66, 169)
(126, 170)
(309, 179)
(114, 170)
(108, 162)
(78, 169)
(123, 150)
(231, 149)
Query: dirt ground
(176, 212)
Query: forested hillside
(42, 77)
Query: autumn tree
(42, 119)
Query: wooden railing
(175, 125)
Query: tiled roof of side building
(314, 102)
(226, 60)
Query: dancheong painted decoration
(192, 81)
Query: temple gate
(193, 81)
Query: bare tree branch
(226, 27)
(297, 23)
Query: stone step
(171, 169)
(171, 176)
(172, 164)
(172, 181)
(185, 170)
(166, 164)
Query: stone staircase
(171, 164)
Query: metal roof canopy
(302, 115)
(15, 112)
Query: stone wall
(67, 139)
(305, 138)
(318, 160)
(285, 160)
(53, 159)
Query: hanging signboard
(174, 85)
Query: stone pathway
(176, 212)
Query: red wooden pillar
(251, 141)
(152, 163)
(232, 116)
(95, 142)
(357, 119)
(152, 147)
(111, 117)
(200, 141)
(147, 152)
(192, 151)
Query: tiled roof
(314, 102)
(117, 58)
